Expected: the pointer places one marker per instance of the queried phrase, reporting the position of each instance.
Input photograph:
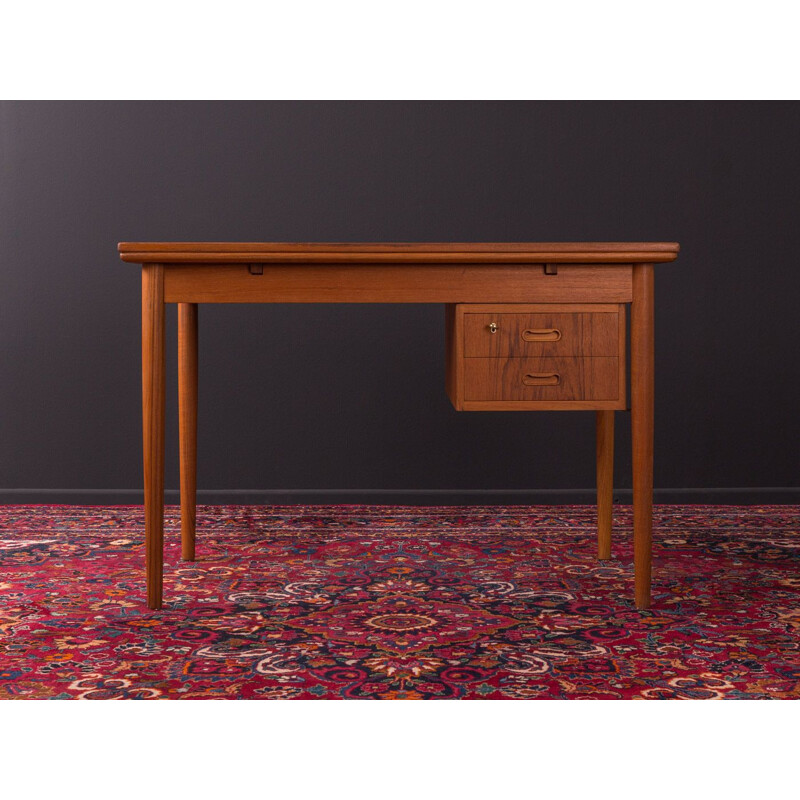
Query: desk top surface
(398, 252)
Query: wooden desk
(529, 327)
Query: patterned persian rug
(400, 602)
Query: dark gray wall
(352, 397)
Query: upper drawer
(544, 333)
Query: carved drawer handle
(541, 335)
(541, 379)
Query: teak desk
(530, 326)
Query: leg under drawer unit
(523, 357)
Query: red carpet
(400, 602)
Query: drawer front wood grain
(500, 335)
(541, 379)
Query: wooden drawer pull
(541, 379)
(541, 335)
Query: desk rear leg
(187, 423)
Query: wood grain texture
(397, 253)
(541, 333)
(153, 403)
(642, 398)
(187, 424)
(412, 283)
(495, 379)
(569, 396)
(605, 481)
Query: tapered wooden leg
(187, 423)
(642, 396)
(153, 426)
(605, 481)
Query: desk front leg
(605, 481)
(642, 397)
(153, 426)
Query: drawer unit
(517, 357)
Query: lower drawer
(541, 379)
